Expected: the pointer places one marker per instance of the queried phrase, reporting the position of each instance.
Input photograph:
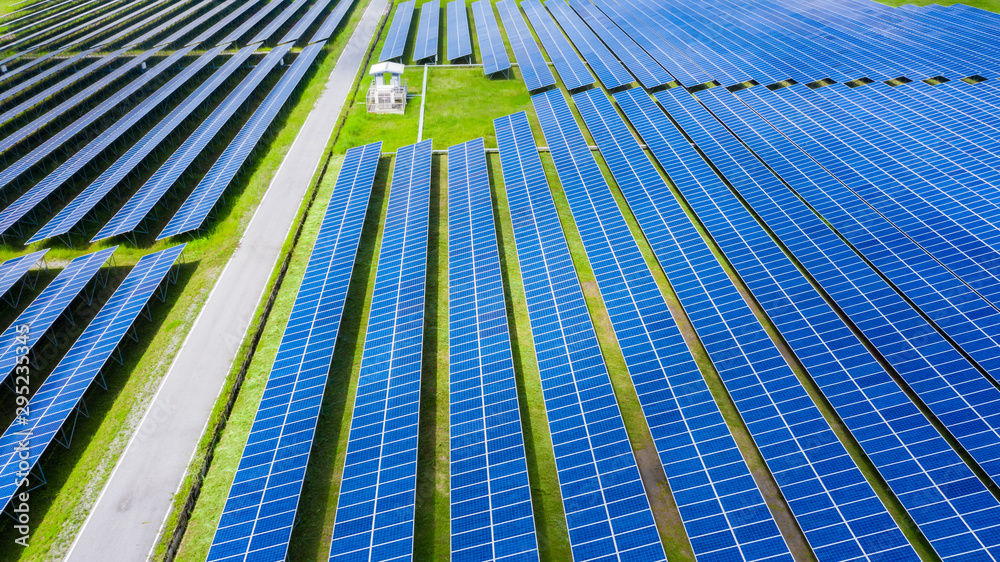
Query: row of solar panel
(198, 206)
(61, 392)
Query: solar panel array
(534, 70)
(945, 503)
(206, 194)
(459, 38)
(395, 38)
(260, 509)
(426, 45)
(61, 392)
(47, 307)
(571, 69)
(810, 465)
(375, 508)
(609, 71)
(491, 47)
(715, 492)
(607, 512)
(491, 515)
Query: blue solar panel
(491, 47)
(143, 201)
(395, 39)
(631, 55)
(377, 493)
(47, 307)
(491, 516)
(704, 466)
(459, 38)
(12, 270)
(809, 463)
(965, 255)
(223, 23)
(277, 22)
(89, 198)
(52, 71)
(534, 70)
(28, 65)
(206, 194)
(332, 21)
(57, 398)
(260, 510)
(607, 511)
(253, 20)
(571, 69)
(942, 495)
(426, 45)
(305, 21)
(189, 26)
(604, 64)
(54, 180)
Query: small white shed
(386, 97)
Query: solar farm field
(628, 280)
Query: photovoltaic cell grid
(491, 47)
(196, 208)
(399, 30)
(534, 70)
(965, 401)
(250, 22)
(273, 25)
(331, 22)
(375, 509)
(224, 22)
(607, 512)
(835, 506)
(303, 23)
(723, 511)
(491, 516)
(47, 307)
(51, 71)
(260, 510)
(571, 69)
(646, 70)
(459, 38)
(609, 71)
(93, 194)
(12, 270)
(58, 396)
(946, 500)
(426, 45)
(94, 147)
(142, 201)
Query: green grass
(991, 5)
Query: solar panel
(375, 509)
(38, 192)
(395, 38)
(426, 45)
(698, 452)
(459, 39)
(491, 47)
(253, 20)
(331, 22)
(937, 233)
(223, 23)
(142, 202)
(277, 22)
(305, 21)
(11, 73)
(260, 509)
(534, 70)
(609, 71)
(191, 25)
(55, 69)
(571, 69)
(57, 398)
(12, 270)
(491, 514)
(47, 308)
(27, 38)
(951, 504)
(607, 511)
(206, 194)
(809, 463)
(645, 69)
(93, 194)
